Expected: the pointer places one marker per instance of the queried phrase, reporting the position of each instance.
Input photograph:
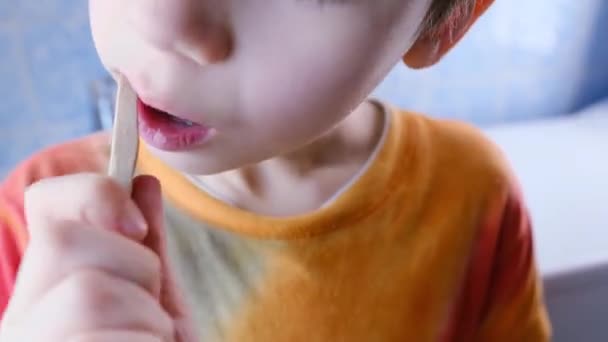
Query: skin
(240, 66)
(282, 83)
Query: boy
(293, 209)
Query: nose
(197, 29)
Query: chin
(197, 162)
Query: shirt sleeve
(10, 256)
(513, 309)
(12, 232)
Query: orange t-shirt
(430, 243)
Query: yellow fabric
(431, 243)
(392, 257)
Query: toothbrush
(125, 138)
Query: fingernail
(133, 223)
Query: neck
(308, 177)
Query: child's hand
(95, 267)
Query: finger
(91, 199)
(116, 336)
(147, 195)
(56, 252)
(91, 300)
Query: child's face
(267, 76)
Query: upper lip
(157, 102)
(162, 109)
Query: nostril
(206, 46)
(188, 27)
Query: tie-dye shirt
(431, 242)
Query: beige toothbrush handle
(125, 137)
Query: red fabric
(500, 262)
(9, 263)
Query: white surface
(562, 165)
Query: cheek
(288, 111)
(300, 92)
(103, 18)
(109, 31)
(331, 59)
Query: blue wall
(47, 63)
(525, 59)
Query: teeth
(182, 121)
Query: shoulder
(470, 175)
(460, 152)
(469, 147)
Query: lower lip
(161, 131)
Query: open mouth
(163, 116)
(169, 132)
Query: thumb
(147, 195)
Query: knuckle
(82, 192)
(34, 194)
(57, 240)
(104, 188)
(98, 300)
(92, 293)
(103, 198)
(60, 238)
